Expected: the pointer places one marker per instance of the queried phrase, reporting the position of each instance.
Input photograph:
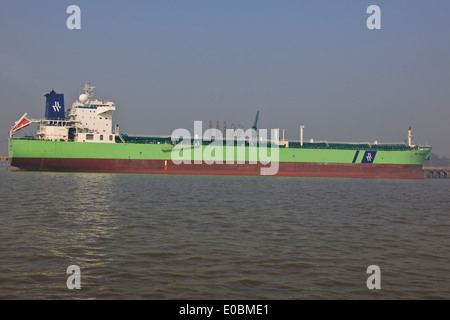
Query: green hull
(21, 148)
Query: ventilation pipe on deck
(410, 138)
(301, 135)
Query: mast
(410, 138)
(301, 135)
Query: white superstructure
(88, 120)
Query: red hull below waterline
(293, 169)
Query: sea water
(222, 237)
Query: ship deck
(291, 144)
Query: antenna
(210, 129)
(88, 90)
(224, 129)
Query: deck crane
(255, 126)
(256, 122)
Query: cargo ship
(84, 139)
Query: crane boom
(256, 122)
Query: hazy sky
(168, 63)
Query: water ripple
(204, 237)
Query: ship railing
(351, 145)
(354, 142)
(25, 138)
(53, 121)
(146, 136)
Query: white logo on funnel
(56, 106)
